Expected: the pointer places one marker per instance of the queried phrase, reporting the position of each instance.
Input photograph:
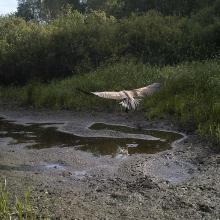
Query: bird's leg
(121, 108)
(126, 110)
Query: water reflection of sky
(37, 136)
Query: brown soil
(65, 183)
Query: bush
(67, 45)
(191, 94)
(75, 43)
(152, 37)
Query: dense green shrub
(65, 46)
(23, 50)
(75, 43)
(50, 9)
(19, 209)
(152, 37)
(191, 93)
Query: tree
(29, 9)
(122, 8)
(45, 10)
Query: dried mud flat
(65, 183)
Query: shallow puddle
(38, 136)
(162, 135)
(29, 168)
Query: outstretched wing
(111, 95)
(145, 91)
(129, 98)
(107, 95)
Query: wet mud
(108, 166)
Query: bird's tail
(84, 92)
(130, 103)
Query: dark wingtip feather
(83, 91)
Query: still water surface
(37, 136)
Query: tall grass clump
(4, 206)
(64, 94)
(21, 210)
(191, 94)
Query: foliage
(190, 92)
(45, 10)
(63, 94)
(166, 7)
(70, 43)
(29, 10)
(49, 9)
(20, 210)
(74, 43)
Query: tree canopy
(49, 9)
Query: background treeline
(49, 39)
(49, 9)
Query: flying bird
(129, 99)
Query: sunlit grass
(190, 92)
(63, 94)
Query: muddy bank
(182, 182)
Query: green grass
(63, 94)
(21, 210)
(190, 92)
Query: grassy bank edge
(190, 92)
